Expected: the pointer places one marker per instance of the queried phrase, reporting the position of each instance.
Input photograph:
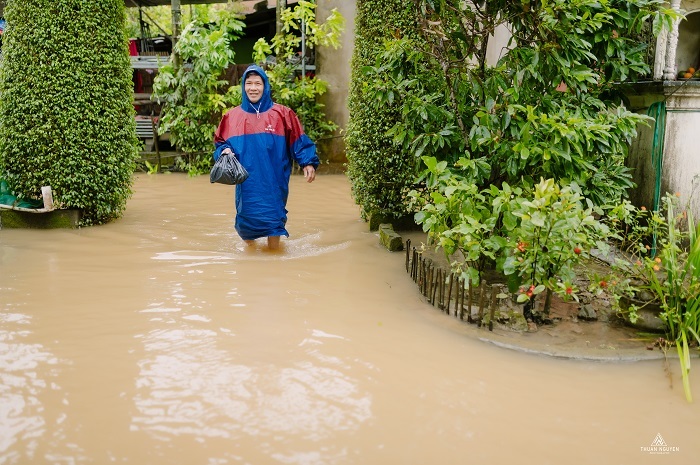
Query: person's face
(254, 87)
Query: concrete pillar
(333, 66)
(670, 70)
(281, 4)
(177, 19)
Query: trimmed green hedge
(66, 113)
(380, 173)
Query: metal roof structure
(248, 4)
(168, 2)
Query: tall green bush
(546, 116)
(550, 107)
(66, 114)
(381, 173)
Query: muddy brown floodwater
(160, 339)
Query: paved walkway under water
(162, 339)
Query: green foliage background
(195, 96)
(523, 154)
(66, 114)
(300, 93)
(381, 173)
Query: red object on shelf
(138, 80)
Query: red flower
(530, 292)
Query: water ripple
(292, 249)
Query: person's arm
(302, 147)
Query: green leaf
(538, 219)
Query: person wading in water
(267, 138)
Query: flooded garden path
(161, 339)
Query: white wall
(498, 43)
(333, 66)
(680, 172)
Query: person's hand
(226, 151)
(309, 173)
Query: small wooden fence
(448, 292)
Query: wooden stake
(427, 280)
(449, 295)
(493, 307)
(420, 275)
(435, 287)
(414, 267)
(469, 303)
(408, 246)
(482, 295)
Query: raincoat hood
(265, 102)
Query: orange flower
(643, 208)
(656, 268)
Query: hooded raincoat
(266, 138)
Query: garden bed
(589, 329)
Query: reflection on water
(162, 339)
(23, 369)
(187, 385)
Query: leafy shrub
(381, 172)
(550, 108)
(534, 236)
(66, 114)
(196, 95)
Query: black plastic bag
(228, 170)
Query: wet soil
(568, 333)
